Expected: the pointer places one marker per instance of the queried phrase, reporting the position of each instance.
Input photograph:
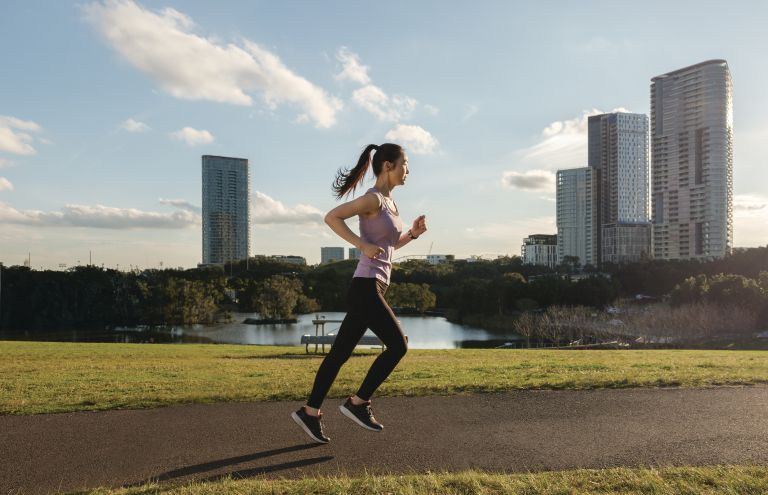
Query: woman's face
(399, 171)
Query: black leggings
(367, 309)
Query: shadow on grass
(243, 473)
(276, 356)
(299, 356)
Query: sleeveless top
(384, 230)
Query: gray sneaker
(312, 426)
(362, 415)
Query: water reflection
(423, 333)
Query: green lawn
(732, 480)
(46, 377)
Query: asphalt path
(512, 432)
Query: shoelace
(319, 418)
(368, 408)
(369, 411)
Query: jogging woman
(381, 232)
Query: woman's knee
(399, 349)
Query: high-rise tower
(618, 156)
(226, 209)
(576, 220)
(692, 162)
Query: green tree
(735, 290)
(306, 305)
(689, 291)
(417, 297)
(569, 264)
(762, 281)
(277, 296)
(328, 284)
(176, 301)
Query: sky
(106, 108)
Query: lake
(424, 332)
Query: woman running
(381, 232)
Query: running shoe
(362, 415)
(312, 425)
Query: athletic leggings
(367, 309)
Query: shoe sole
(306, 430)
(346, 412)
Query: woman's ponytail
(347, 181)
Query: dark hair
(347, 181)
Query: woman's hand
(371, 250)
(419, 226)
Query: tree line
(703, 311)
(731, 290)
(94, 297)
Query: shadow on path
(223, 463)
(247, 473)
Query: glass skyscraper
(692, 162)
(618, 156)
(576, 219)
(226, 209)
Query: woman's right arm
(337, 216)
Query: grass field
(741, 480)
(46, 377)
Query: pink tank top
(384, 230)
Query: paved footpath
(511, 432)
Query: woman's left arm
(418, 228)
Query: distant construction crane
(415, 256)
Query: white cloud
(183, 204)
(191, 66)
(531, 180)
(193, 137)
(371, 97)
(352, 70)
(750, 205)
(750, 220)
(5, 184)
(98, 217)
(389, 108)
(413, 138)
(131, 125)
(15, 135)
(563, 143)
(24, 125)
(267, 210)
